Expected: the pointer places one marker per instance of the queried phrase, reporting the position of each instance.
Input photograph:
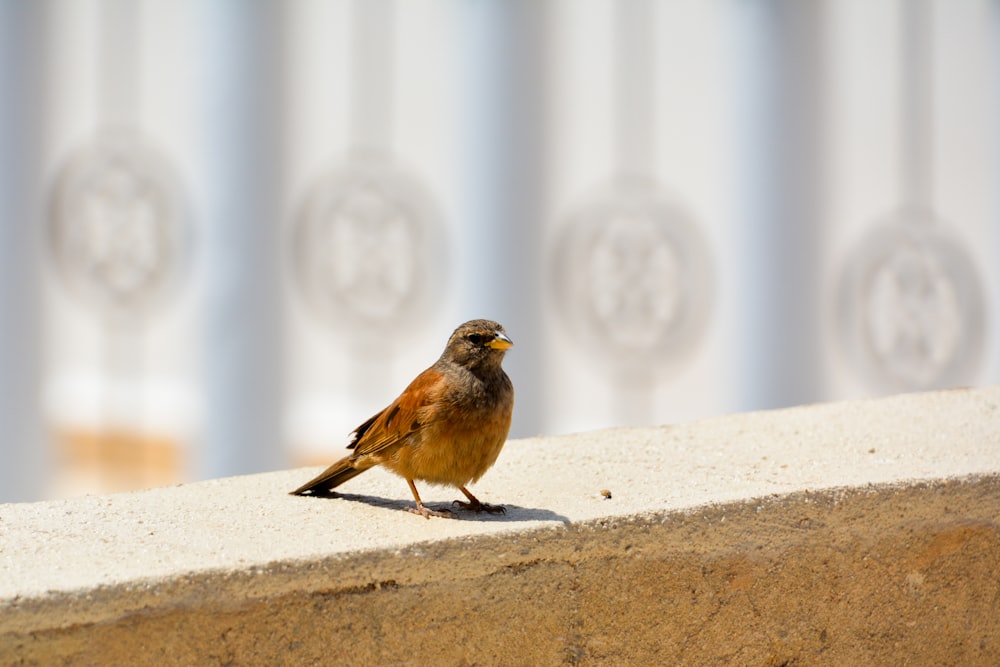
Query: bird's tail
(335, 475)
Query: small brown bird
(447, 427)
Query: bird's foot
(427, 512)
(478, 506)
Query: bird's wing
(404, 416)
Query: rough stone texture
(775, 538)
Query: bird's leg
(422, 509)
(475, 505)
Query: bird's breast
(459, 443)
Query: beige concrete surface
(857, 530)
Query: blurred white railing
(232, 232)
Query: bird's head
(477, 343)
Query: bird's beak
(500, 342)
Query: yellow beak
(500, 342)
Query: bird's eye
(477, 339)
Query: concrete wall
(850, 533)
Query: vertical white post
(776, 49)
(502, 83)
(22, 445)
(238, 225)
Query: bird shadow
(513, 513)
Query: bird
(446, 428)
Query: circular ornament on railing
(911, 306)
(367, 249)
(118, 231)
(632, 276)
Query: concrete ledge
(828, 534)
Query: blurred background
(230, 231)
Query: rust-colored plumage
(447, 427)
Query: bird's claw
(480, 507)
